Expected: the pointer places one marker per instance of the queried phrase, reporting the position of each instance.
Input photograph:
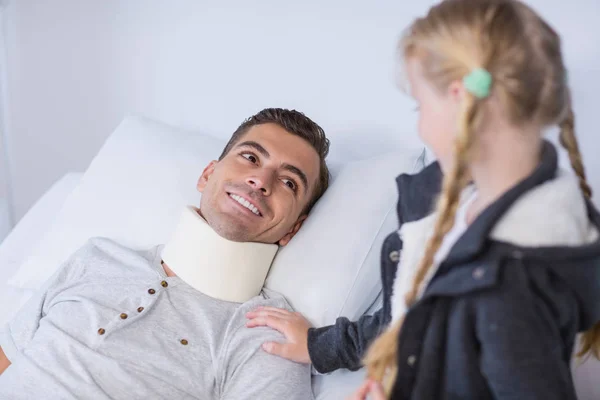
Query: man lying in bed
(114, 323)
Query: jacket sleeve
(522, 353)
(344, 344)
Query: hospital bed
(25, 236)
(82, 205)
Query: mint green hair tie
(478, 82)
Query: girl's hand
(291, 324)
(370, 388)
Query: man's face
(258, 191)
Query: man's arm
(4, 361)
(20, 330)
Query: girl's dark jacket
(499, 318)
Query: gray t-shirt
(111, 325)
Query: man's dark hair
(297, 124)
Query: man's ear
(208, 171)
(288, 236)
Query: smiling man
(169, 323)
(273, 140)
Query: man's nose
(262, 182)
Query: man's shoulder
(247, 340)
(107, 255)
(256, 336)
(109, 245)
(266, 298)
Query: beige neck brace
(220, 268)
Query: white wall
(4, 225)
(76, 67)
(4, 213)
(3, 191)
(3, 161)
(62, 89)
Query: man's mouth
(245, 203)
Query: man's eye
(289, 183)
(250, 157)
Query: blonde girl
(494, 286)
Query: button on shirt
(111, 325)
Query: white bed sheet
(25, 236)
(338, 385)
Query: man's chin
(233, 231)
(234, 236)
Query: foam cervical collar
(220, 268)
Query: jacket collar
(417, 193)
(475, 238)
(481, 249)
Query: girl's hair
(523, 55)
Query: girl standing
(494, 286)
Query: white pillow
(331, 268)
(136, 186)
(133, 192)
(31, 229)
